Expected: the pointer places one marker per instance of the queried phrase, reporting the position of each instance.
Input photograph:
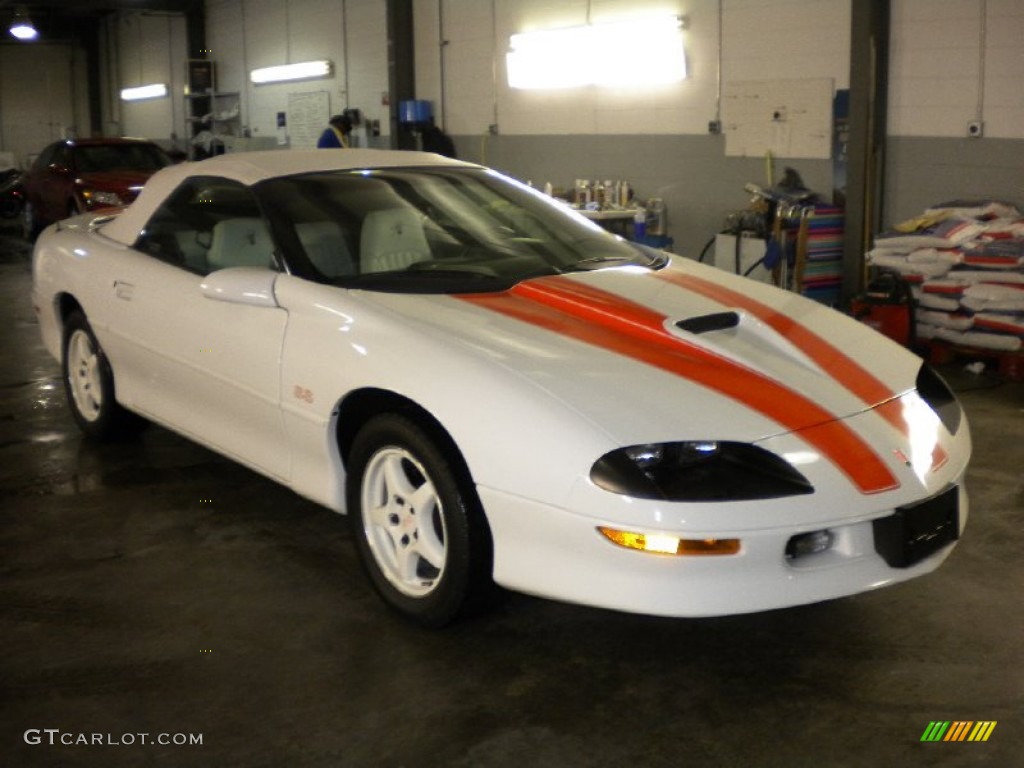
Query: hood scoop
(717, 321)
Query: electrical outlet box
(493, 129)
(975, 128)
(715, 126)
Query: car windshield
(433, 230)
(119, 157)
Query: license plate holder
(918, 531)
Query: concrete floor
(154, 587)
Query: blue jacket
(329, 140)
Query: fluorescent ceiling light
(22, 27)
(629, 53)
(305, 70)
(152, 91)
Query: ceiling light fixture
(22, 26)
(634, 53)
(138, 93)
(305, 70)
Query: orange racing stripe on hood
(844, 369)
(615, 324)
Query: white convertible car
(497, 391)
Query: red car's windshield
(119, 157)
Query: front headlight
(940, 398)
(95, 197)
(699, 470)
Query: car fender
(339, 342)
(73, 262)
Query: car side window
(206, 224)
(62, 157)
(45, 158)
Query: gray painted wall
(921, 172)
(699, 184)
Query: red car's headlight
(97, 197)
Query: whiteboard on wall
(308, 114)
(789, 118)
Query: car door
(208, 367)
(36, 179)
(57, 179)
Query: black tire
(10, 207)
(89, 384)
(430, 568)
(30, 228)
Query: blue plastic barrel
(415, 111)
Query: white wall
(243, 35)
(248, 34)
(761, 40)
(954, 61)
(150, 48)
(947, 68)
(43, 97)
(786, 39)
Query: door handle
(123, 290)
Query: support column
(401, 67)
(869, 90)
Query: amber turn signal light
(666, 544)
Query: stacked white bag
(965, 264)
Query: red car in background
(77, 175)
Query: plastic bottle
(639, 224)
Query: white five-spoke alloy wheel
(89, 383)
(404, 521)
(417, 521)
(83, 375)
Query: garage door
(36, 97)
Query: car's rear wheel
(89, 384)
(417, 522)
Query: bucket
(415, 111)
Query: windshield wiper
(596, 262)
(601, 260)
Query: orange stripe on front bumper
(615, 324)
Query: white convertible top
(251, 167)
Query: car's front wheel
(417, 522)
(89, 383)
(29, 226)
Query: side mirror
(241, 285)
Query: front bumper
(554, 553)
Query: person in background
(435, 140)
(335, 136)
